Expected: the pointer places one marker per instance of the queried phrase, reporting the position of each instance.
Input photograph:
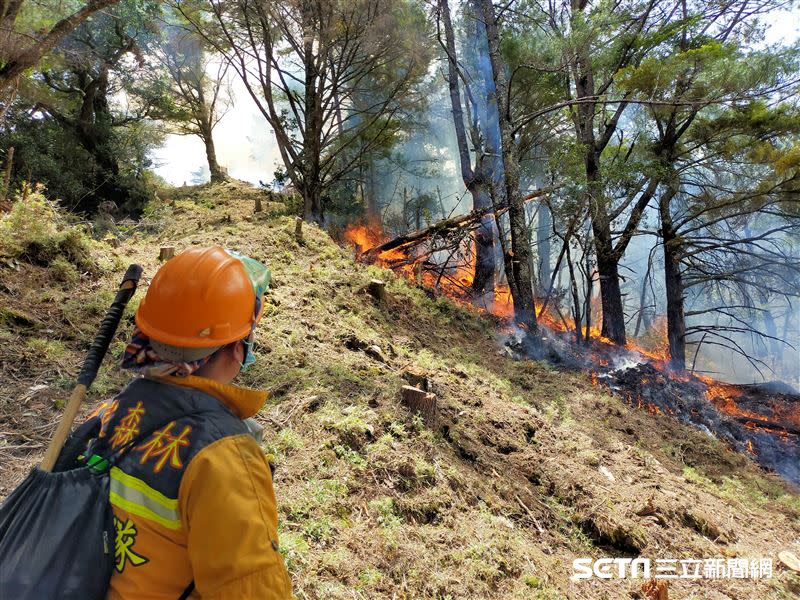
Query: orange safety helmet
(202, 298)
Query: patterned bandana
(141, 356)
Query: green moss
(284, 443)
(352, 424)
(85, 313)
(319, 529)
(48, 350)
(64, 271)
(369, 576)
(424, 471)
(532, 581)
(350, 456)
(10, 317)
(294, 548)
(385, 512)
(318, 497)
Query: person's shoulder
(232, 462)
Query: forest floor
(526, 468)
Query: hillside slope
(525, 469)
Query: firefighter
(191, 490)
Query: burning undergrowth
(759, 420)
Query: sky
(246, 145)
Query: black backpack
(57, 537)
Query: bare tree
(475, 172)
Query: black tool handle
(109, 325)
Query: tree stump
(417, 378)
(166, 253)
(377, 289)
(258, 207)
(790, 559)
(298, 229)
(421, 402)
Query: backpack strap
(76, 444)
(187, 592)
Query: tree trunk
(206, 128)
(524, 310)
(371, 200)
(313, 211)
(610, 293)
(474, 178)
(312, 127)
(673, 279)
(543, 231)
(484, 242)
(584, 117)
(217, 176)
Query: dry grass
(495, 501)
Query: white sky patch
(244, 142)
(783, 26)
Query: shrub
(37, 232)
(64, 271)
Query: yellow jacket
(220, 529)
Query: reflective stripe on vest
(138, 498)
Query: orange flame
(455, 281)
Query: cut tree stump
(258, 207)
(417, 378)
(166, 253)
(421, 402)
(377, 289)
(298, 229)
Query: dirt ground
(524, 469)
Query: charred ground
(526, 468)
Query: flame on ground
(455, 281)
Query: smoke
(245, 145)
(419, 182)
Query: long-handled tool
(92, 363)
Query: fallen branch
(442, 228)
